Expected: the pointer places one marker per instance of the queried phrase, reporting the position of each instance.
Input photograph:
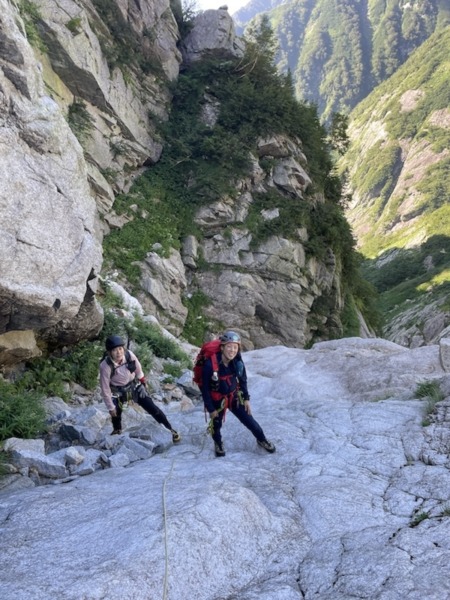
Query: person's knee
(147, 404)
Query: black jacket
(231, 379)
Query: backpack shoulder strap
(215, 364)
(111, 364)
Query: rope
(164, 503)
(166, 549)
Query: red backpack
(208, 350)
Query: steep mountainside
(339, 50)
(251, 231)
(238, 222)
(398, 167)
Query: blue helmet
(230, 336)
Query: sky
(233, 5)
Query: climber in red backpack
(224, 386)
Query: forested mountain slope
(398, 167)
(339, 50)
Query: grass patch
(22, 412)
(174, 370)
(197, 325)
(147, 335)
(31, 16)
(74, 25)
(432, 393)
(80, 121)
(419, 518)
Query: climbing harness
(122, 396)
(210, 426)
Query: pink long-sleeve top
(122, 376)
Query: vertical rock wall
(50, 250)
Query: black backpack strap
(111, 364)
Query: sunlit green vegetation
(413, 222)
(339, 51)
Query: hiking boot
(176, 437)
(266, 445)
(219, 449)
(116, 432)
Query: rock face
(50, 248)
(353, 504)
(422, 323)
(118, 59)
(269, 292)
(53, 189)
(213, 33)
(164, 283)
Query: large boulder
(213, 34)
(49, 243)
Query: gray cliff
(55, 190)
(59, 189)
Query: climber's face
(118, 354)
(230, 350)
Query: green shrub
(112, 325)
(110, 174)
(196, 324)
(84, 364)
(375, 174)
(145, 355)
(74, 25)
(46, 377)
(79, 119)
(349, 318)
(22, 412)
(51, 376)
(174, 370)
(435, 186)
(31, 16)
(150, 335)
(108, 298)
(431, 392)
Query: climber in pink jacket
(121, 381)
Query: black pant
(147, 404)
(238, 411)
